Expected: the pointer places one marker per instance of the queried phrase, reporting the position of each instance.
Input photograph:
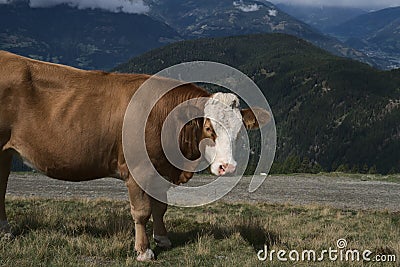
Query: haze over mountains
(377, 34)
(322, 17)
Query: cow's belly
(67, 163)
(71, 172)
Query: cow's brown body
(67, 123)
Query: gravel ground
(341, 192)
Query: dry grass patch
(100, 233)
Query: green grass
(394, 178)
(100, 232)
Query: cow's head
(222, 122)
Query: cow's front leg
(141, 211)
(158, 210)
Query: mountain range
(208, 18)
(328, 110)
(99, 39)
(85, 38)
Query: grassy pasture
(391, 178)
(100, 233)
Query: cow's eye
(208, 129)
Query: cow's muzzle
(226, 168)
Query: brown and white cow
(67, 123)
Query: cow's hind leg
(158, 210)
(5, 167)
(141, 212)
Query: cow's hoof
(162, 241)
(148, 255)
(7, 236)
(5, 231)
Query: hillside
(85, 38)
(329, 110)
(376, 33)
(209, 18)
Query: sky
(138, 6)
(346, 3)
(132, 6)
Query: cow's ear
(255, 118)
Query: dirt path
(342, 192)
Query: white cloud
(126, 6)
(345, 3)
(246, 8)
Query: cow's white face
(224, 119)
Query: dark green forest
(331, 113)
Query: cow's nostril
(226, 168)
(221, 170)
